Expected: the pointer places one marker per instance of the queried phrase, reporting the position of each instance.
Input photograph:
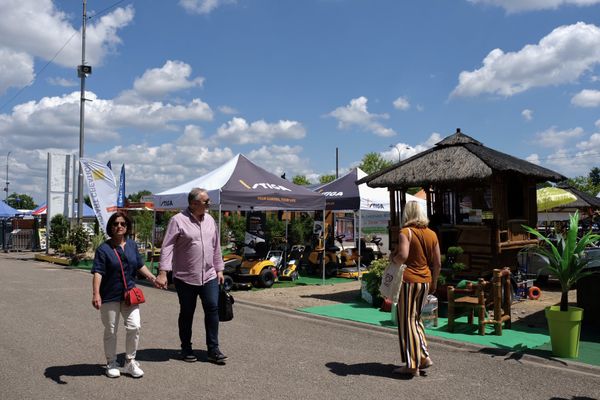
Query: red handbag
(134, 295)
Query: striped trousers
(411, 332)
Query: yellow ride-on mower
(257, 266)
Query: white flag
(102, 187)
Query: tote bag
(391, 281)
(225, 305)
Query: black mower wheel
(295, 275)
(331, 269)
(266, 278)
(227, 283)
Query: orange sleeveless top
(417, 264)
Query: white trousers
(109, 313)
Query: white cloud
(356, 114)
(203, 6)
(54, 121)
(227, 110)
(62, 82)
(597, 123)
(39, 29)
(587, 98)
(593, 143)
(533, 158)
(512, 6)
(280, 159)
(560, 57)
(570, 164)
(557, 139)
(240, 132)
(171, 77)
(405, 151)
(158, 168)
(16, 69)
(527, 114)
(401, 103)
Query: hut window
(475, 204)
(515, 198)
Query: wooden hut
(477, 198)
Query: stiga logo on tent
(332, 194)
(265, 186)
(166, 203)
(378, 206)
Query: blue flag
(121, 196)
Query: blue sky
(180, 87)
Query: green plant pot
(564, 327)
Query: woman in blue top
(109, 290)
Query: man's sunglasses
(205, 202)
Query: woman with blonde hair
(419, 249)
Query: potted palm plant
(567, 262)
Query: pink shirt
(192, 249)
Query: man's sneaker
(217, 357)
(113, 369)
(188, 355)
(132, 368)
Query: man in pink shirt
(192, 250)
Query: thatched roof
(584, 199)
(457, 158)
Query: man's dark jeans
(209, 295)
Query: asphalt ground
(51, 348)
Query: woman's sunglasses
(118, 223)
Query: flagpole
(82, 71)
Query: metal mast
(82, 71)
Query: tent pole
(153, 240)
(324, 245)
(220, 210)
(359, 244)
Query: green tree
(594, 176)
(143, 222)
(300, 229)
(233, 227)
(59, 231)
(585, 184)
(326, 178)
(137, 197)
(300, 180)
(20, 201)
(373, 162)
(80, 238)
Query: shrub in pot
(567, 262)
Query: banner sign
(121, 198)
(102, 189)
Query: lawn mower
(258, 266)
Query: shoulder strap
(122, 270)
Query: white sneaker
(132, 368)
(113, 369)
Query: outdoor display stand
(344, 194)
(241, 185)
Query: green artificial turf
(519, 338)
